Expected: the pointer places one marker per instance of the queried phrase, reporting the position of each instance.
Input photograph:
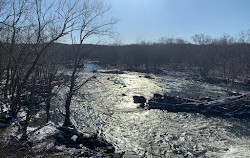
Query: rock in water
(139, 99)
(148, 77)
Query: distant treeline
(226, 58)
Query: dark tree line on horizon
(226, 57)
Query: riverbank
(53, 140)
(50, 139)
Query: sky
(150, 20)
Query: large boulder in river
(139, 99)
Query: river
(106, 104)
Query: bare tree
(32, 26)
(206, 59)
(92, 24)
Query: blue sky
(152, 19)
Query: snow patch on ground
(36, 134)
(3, 107)
(41, 133)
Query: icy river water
(106, 104)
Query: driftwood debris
(238, 104)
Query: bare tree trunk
(6, 88)
(16, 100)
(67, 121)
(13, 80)
(26, 124)
(1, 65)
(49, 96)
(31, 105)
(224, 70)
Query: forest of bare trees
(226, 57)
(30, 57)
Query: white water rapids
(101, 104)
